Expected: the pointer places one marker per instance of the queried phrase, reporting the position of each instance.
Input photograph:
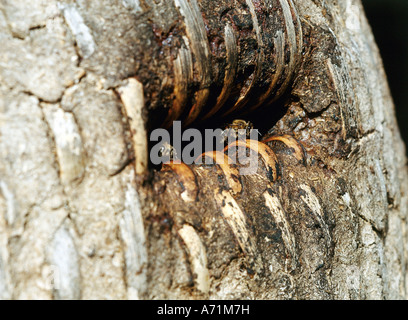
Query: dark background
(389, 22)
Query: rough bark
(84, 215)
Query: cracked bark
(81, 216)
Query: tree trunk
(83, 214)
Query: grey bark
(83, 216)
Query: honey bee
(240, 124)
(167, 151)
(236, 127)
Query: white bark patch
(236, 219)
(133, 99)
(353, 278)
(346, 198)
(43, 64)
(368, 236)
(63, 273)
(5, 280)
(68, 143)
(80, 30)
(382, 183)
(313, 203)
(353, 16)
(23, 16)
(3, 22)
(275, 207)
(133, 236)
(197, 257)
(133, 5)
(10, 202)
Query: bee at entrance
(167, 151)
(240, 124)
(238, 127)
